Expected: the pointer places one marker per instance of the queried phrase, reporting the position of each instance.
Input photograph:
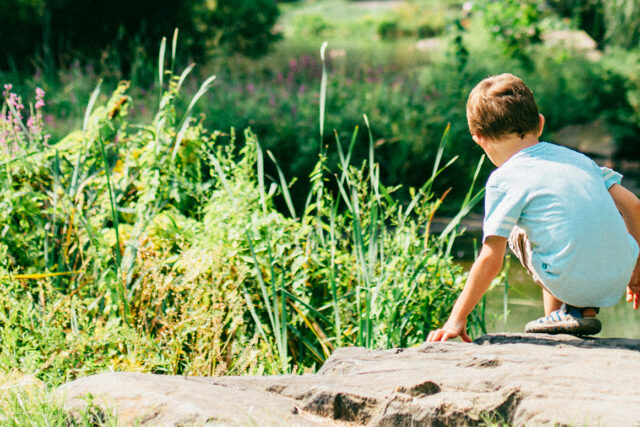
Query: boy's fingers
(465, 337)
(433, 335)
(633, 298)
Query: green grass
(25, 401)
(156, 246)
(150, 237)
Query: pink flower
(293, 65)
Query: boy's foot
(566, 320)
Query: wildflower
(12, 136)
(293, 65)
(7, 90)
(39, 98)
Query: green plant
(515, 24)
(158, 247)
(52, 31)
(25, 401)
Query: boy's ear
(541, 125)
(479, 139)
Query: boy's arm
(484, 270)
(629, 206)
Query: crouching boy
(570, 223)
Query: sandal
(566, 320)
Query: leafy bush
(157, 247)
(610, 23)
(55, 32)
(413, 20)
(311, 25)
(27, 401)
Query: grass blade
(114, 213)
(187, 115)
(366, 122)
(163, 48)
(37, 276)
(174, 47)
(323, 93)
(260, 166)
(184, 75)
(284, 186)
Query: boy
(571, 223)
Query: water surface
(524, 303)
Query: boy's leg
(521, 248)
(551, 303)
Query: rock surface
(515, 378)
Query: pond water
(524, 303)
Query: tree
(57, 30)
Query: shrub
(55, 32)
(160, 250)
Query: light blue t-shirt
(581, 248)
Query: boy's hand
(633, 297)
(451, 329)
(483, 271)
(629, 206)
(633, 290)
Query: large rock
(519, 379)
(593, 139)
(573, 40)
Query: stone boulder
(517, 379)
(573, 40)
(593, 139)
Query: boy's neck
(501, 150)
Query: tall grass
(377, 234)
(157, 247)
(25, 401)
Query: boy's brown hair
(500, 105)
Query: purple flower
(301, 89)
(7, 90)
(293, 65)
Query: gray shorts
(521, 248)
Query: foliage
(610, 23)
(514, 23)
(157, 247)
(410, 95)
(25, 401)
(413, 19)
(55, 31)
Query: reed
(158, 247)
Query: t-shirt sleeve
(502, 210)
(610, 177)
